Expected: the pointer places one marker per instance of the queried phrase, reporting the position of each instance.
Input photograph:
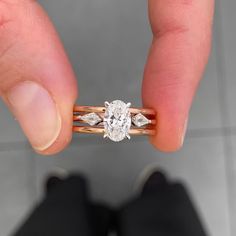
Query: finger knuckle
(4, 14)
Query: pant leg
(66, 211)
(162, 210)
(102, 219)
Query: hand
(177, 58)
(38, 84)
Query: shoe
(150, 180)
(57, 175)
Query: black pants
(162, 209)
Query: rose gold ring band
(145, 111)
(100, 130)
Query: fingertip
(169, 137)
(64, 138)
(58, 146)
(165, 148)
(172, 105)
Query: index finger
(177, 58)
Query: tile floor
(207, 162)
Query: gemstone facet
(140, 120)
(117, 120)
(91, 118)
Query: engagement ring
(116, 120)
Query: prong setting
(128, 105)
(106, 104)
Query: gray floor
(107, 43)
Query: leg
(66, 211)
(162, 209)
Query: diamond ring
(116, 120)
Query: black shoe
(151, 180)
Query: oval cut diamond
(117, 120)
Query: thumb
(36, 80)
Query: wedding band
(116, 120)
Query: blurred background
(107, 42)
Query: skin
(179, 53)
(176, 61)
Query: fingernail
(36, 112)
(184, 131)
